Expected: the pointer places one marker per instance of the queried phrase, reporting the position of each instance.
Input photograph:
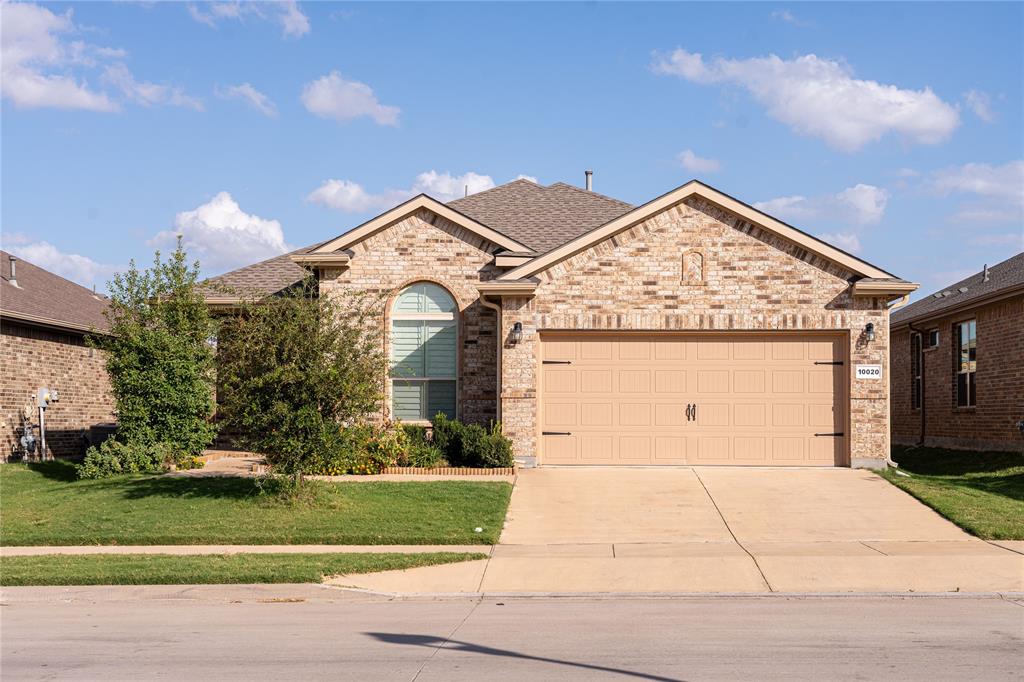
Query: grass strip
(204, 569)
(45, 505)
(982, 492)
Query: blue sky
(896, 130)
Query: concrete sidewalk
(717, 529)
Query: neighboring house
(692, 329)
(958, 363)
(44, 319)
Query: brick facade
(426, 247)
(34, 358)
(992, 423)
(752, 280)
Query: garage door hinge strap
(829, 362)
(556, 433)
(840, 434)
(556, 362)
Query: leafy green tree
(295, 369)
(159, 356)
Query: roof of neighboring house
(1003, 277)
(44, 298)
(538, 216)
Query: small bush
(116, 458)
(422, 452)
(471, 445)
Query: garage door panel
(634, 414)
(597, 414)
(635, 448)
(634, 380)
(596, 380)
(560, 380)
(758, 399)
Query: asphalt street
(313, 632)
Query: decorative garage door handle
(839, 434)
(691, 412)
(556, 433)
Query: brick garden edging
(260, 469)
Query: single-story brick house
(692, 329)
(958, 363)
(44, 320)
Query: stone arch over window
(694, 267)
(424, 352)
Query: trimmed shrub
(115, 458)
(471, 445)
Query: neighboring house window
(933, 338)
(424, 333)
(916, 359)
(965, 355)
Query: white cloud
(861, 204)
(222, 236)
(696, 164)
(847, 241)
(790, 18)
(294, 24)
(998, 191)
(73, 266)
(351, 197)
(821, 98)
(981, 104)
(251, 96)
(531, 178)
(31, 48)
(343, 100)
(148, 94)
(1010, 239)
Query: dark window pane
(972, 400)
(961, 390)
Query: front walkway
(718, 529)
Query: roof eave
(994, 297)
(51, 323)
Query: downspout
(496, 307)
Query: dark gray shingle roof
(1001, 277)
(44, 297)
(540, 217)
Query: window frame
(970, 374)
(916, 364)
(445, 319)
(938, 340)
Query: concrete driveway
(719, 529)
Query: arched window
(424, 333)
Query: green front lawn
(44, 505)
(982, 492)
(203, 569)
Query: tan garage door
(770, 399)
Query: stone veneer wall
(34, 358)
(426, 247)
(754, 281)
(992, 423)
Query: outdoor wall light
(869, 331)
(517, 332)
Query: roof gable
(695, 188)
(406, 209)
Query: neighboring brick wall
(34, 358)
(426, 247)
(992, 423)
(754, 280)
